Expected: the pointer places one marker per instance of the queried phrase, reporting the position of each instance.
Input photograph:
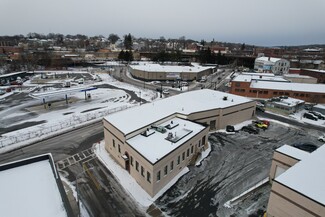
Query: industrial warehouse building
(268, 86)
(298, 183)
(153, 72)
(155, 141)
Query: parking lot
(236, 163)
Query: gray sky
(259, 22)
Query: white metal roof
(289, 102)
(293, 152)
(155, 146)
(300, 87)
(185, 103)
(307, 176)
(251, 76)
(169, 68)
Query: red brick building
(319, 74)
(258, 86)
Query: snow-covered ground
(61, 117)
(298, 116)
(129, 183)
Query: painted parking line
(76, 158)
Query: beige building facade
(155, 142)
(154, 72)
(297, 183)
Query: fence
(47, 129)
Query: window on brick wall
(165, 170)
(171, 165)
(142, 171)
(148, 177)
(158, 175)
(137, 166)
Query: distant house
(298, 183)
(32, 187)
(276, 66)
(285, 104)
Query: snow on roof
(170, 68)
(11, 74)
(247, 77)
(184, 103)
(307, 176)
(319, 106)
(293, 152)
(156, 146)
(297, 76)
(289, 102)
(30, 190)
(315, 70)
(268, 59)
(300, 87)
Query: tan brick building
(298, 183)
(155, 141)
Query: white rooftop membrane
(186, 103)
(30, 191)
(156, 146)
(307, 176)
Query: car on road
(250, 129)
(165, 91)
(321, 138)
(318, 115)
(309, 147)
(310, 116)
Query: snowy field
(18, 114)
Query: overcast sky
(258, 22)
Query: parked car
(250, 129)
(230, 128)
(266, 122)
(309, 147)
(260, 124)
(318, 115)
(310, 116)
(321, 138)
(259, 108)
(166, 91)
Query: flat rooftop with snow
(32, 187)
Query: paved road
(62, 146)
(289, 121)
